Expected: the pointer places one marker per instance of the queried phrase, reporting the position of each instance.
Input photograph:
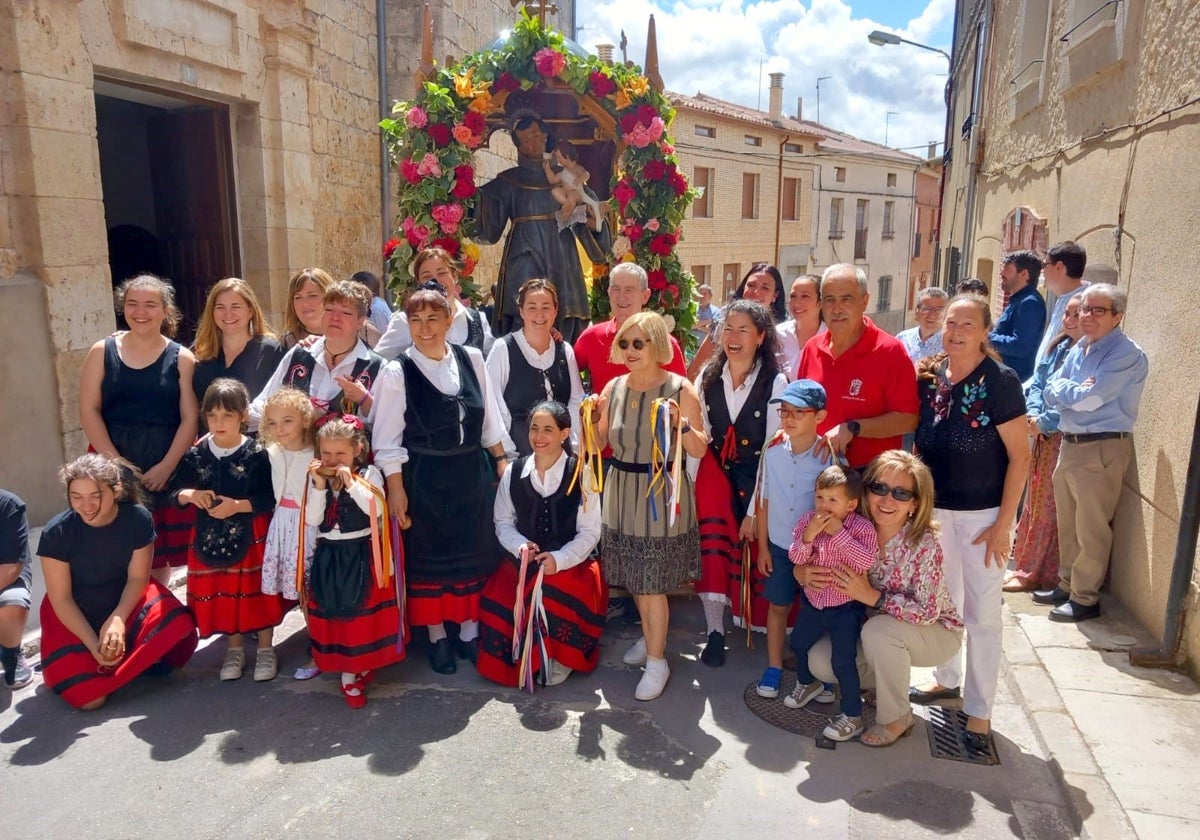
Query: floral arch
(433, 138)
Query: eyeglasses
(638, 344)
(1096, 310)
(900, 494)
(929, 310)
(795, 413)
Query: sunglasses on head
(900, 494)
(638, 343)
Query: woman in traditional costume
(548, 521)
(104, 619)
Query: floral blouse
(912, 582)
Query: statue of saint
(537, 246)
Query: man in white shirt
(925, 339)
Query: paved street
(458, 757)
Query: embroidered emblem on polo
(855, 387)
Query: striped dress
(641, 552)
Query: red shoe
(366, 678)
(355, 700)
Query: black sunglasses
(878, 488)
(638, 344)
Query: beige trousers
(888, 651)
(1087, 487)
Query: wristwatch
(855, 427)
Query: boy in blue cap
(786, 491)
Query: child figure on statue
(568, 184)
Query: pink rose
(416, 118)
(429, 166)
(448, 217)
(652, 225)
(621, 246)
(549, 62)
(461, 133)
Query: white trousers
(976, 592)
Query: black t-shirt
(253, 367)
(14, 539)
(98, 557)
(958, 434)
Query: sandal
(355, 694)
(233, 664)
(1016, 584)
(880, 736)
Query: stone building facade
(1083, 124)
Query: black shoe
(977, 742)
(467, 650)
(924, 698)
(1073, 611)
(1057, 595)
(713, 654)
(441, 657)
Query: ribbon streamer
(666, 458)
(530, 626)
(591, 454)
(746, 592)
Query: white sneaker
(558, 673)
(636, 655)
(654, 680)
(843, 727)
(232, 665)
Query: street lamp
(819, 80)
(882, 39)
(887, 123)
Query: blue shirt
(1018, 332)
(1035, 405)
(1055, 325)
(918, 349)
(789, 485)
(1118, 368)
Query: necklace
(335, 358)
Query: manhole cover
(946, 728)
(807, 721)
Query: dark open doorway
(167, 177)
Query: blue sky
(714, 47)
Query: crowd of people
(813, 476)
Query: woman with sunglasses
(646, 551)
(915, 622)
(1036, 548)
(972, 434)
(734, 392)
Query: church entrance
(169, 199)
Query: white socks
(468, 631)
(714, 615)
(437, 632)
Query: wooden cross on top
(539, 7)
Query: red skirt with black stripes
(159, 629)
(363, 638)
(172, 535)
(576, 602)
(229, 599)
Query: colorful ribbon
(591, 454)
(666, 458)
(747, 571)
(530, 626)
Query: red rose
(628, 123)
(623, 193)
(439, 133)
(506, 82)
(657, 279)
(463, 188)
(655, 170)
(662, 244)
(474, 121)
(646, 114)
(390, 247)
(409, 170)
(678, 182)
(600, 85)
(634, 231)
(674, 290)
(449, 243)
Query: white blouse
(314, 510)
(497, 365)
(289, 471)
(587, 521)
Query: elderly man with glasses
(1096, 392)
(925, 339)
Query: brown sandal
(1016, 584)
(879, 736)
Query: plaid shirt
(854, 546)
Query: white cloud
(715, 46)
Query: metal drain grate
(946, 728)
(807, 721)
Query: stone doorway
(169, 199)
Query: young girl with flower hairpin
(353, 606)
(227, 477)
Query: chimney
(931, 152)
(776, 93)
(799, 108)
(605, 51)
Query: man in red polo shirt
(628, 291)
(869, 380)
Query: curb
(1094, 808)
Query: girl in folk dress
(227, 477)
(287, 431)
(353, 611)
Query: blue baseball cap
(803, 393)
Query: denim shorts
(780, 587)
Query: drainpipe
(779, 196)
(1166, 654)
(385, 174)
(981, 42)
